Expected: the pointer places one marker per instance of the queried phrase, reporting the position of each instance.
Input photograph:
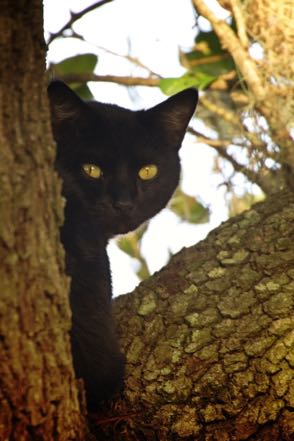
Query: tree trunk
(209, 339)
(38, 394)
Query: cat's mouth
(125, 222)
(119, 221)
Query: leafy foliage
(77, 65)
(246, 135)
(200, 80)
(188, 208)
(208, 56)
(205, 63)
(131, 245)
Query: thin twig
(204, 60)
(267, 181)
(154, 81)
(220, 145)
(231, 117)
(241, 25)
(131, 59)
(226, 114)
(74, 16)
(122, 80)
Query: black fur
(120, 142)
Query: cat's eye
(92, 170)
(148, 172)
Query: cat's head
(118, 166)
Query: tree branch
(241, 26)
(208, 338)
(232, 118)
(154, 81)
(217, 143)
(232, 44)
(268, 180)
(220, 145)
(74, 17)
(122, 80)
(265, 180)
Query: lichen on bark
(218, 364)
(38, 394)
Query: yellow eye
(148, 172)
(92, 170)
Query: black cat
(119, 168)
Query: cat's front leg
(96, 356)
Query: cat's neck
(83, 235)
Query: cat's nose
(123, 205)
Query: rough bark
(38, 394)
(209, 339)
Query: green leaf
(208, 56)
(82, 90)
(207, 43)
(211, 40)
(131, 245)
(198, 79)
(143, 272)
(141, 230)
(79, 64)
(128, 244)
(216, 68)
(188, 208)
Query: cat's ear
(65, 104)
(173, 115)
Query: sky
(152, 31)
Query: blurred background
(136, 53)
